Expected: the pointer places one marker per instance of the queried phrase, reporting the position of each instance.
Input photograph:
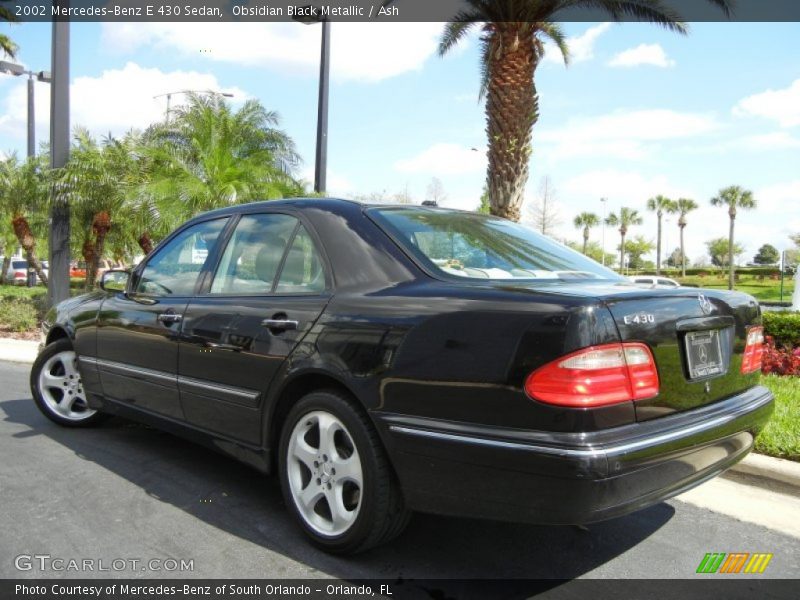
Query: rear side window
(463, 245)
(302, 271)
(254, 254)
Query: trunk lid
(676, 324)
(697, 337)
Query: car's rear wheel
(57, 387)
(335, 476)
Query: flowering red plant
(780, 361)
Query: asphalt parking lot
(126, 491)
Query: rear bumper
(489, 472)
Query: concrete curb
(20, 351)
(775, 472)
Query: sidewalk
(21, 351)
(758, 470)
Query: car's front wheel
(57, 387)
(336, 477)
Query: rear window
(466, 245)
(19, 264)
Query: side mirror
(114, 280)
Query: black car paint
(426, 354)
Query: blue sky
(638, 112)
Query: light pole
(321, 156)
(603, 244)
(58, 286)
(17, 70)
(170, 94)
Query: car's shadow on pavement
(244, 503)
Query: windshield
(474, 246)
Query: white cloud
(782, 106)
(777, 197)
(114, 101)
(623, 134)
(336, 183)
(643, 54)
(359, 51)
(444, 159)
(581, 46)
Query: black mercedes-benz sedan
(389, 359)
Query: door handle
(280, 324)
(169, 318)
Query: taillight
(596, 376)
(753, 350)
(20, 274)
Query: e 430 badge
(639, 319)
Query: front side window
(466, 245)
(174, 269)
(254, 254)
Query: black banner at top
(367, 11)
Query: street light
(321, 158)
(603, 252)
(16, 70)
(170, 94)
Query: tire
(57, 388)
(365, 493)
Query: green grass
(781, 436)
(21, 308)
(766, 290)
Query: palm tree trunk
(683, 255)
(145, 243)
(22, 230)
(730, 253)
(658, 246)
(511, 111)
(6, 266)
(101, 224)
(622, 253)
(87, 251)
(585, 239)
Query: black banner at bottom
(397, 589)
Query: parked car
(77, 268)
(652, 281)
(18, 271)
(389, 359)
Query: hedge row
(784, 327)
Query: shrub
(783, 327)
(780, 361)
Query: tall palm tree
(627, 217)
(683, 206)
(587, 220)
(24, 195)
(512, 46)
(210, 156)
(734, 197)
(658, 205)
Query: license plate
(704, 354)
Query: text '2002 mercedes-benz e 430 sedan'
(389, 359)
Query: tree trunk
(145, 243)
(511, 111)
(585, 239)
(101, 224)
(622, 252)
(683, 254)
(87, 251)
(6, 266)
(658, 245)
(24, 234)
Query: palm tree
(659, 204)
(7, 46)
(683, 206)
(209, 156)
(734, 197)
(512, 46)
(627, 217)
(24, 195)
(586, 220)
